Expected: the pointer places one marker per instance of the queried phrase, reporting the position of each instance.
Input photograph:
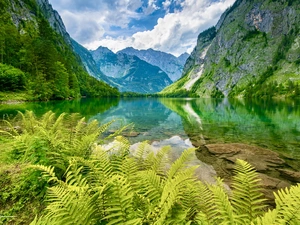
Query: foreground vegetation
(56, 169)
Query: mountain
(38, 61)
(129, 73)
(253, 52)
(170, 64)
(89, 62)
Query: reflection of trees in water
(86, 107)
(273, 124)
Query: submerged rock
(275, 173)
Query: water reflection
(270, 124)
(149, 117)
(86, 107)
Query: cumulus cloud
(89, 20)
(174, 32)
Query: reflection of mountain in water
(139, 111)
(149, 116)
(274, 125)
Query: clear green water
(270, 124)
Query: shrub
(11, 78)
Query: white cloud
(166, 5)
(175, 32)
(90, 23)
(89, 28)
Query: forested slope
(37, 60)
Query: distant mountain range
(131, 70)
(170, 64)
(130, 73)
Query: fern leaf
(149, 184)
(70, 207)
(201, 219)
(173, 191)
(247, 197)
(180, 163)
(129, 168)
(288, 205)
(161, 160)
(47, 171)
(224, 213)
(141, 151)
(119, 204)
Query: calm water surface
(270, 124)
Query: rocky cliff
(253, 51)
(169, 63)
(54, 19)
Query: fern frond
(74, 177)
(201, 219)
(288, 205)
(47, 171)
(161, 161)
(173, 191)
(191, 199)
(247, 197)
(29, 122)
(101, 165)
(180, 163)
(119, 202)
(41, 221)
(141, 151)
(70, 207)
(267, 219)
(12, 131)
(47, 120)
(51, 123)
(123, 146)
(150, 185)
(117, 132)
(129, 168)
(206, 203)
(223, 212)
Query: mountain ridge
(129, 73)
(252, 52)
(169, 63)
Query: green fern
(247, 194)
(223, 211)
(287, 209)
(93, 185)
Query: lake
(270, 124)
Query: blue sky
(167, 25)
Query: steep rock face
(54, 19)
(111, 64)
(253, 51)
(130, 73)
(170, 64)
